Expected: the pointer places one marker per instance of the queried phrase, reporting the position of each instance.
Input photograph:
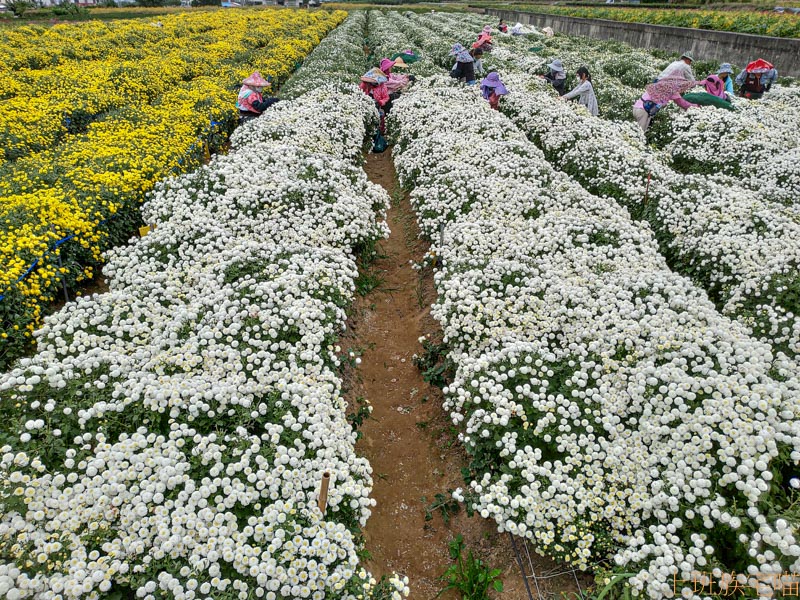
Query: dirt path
(409, 440)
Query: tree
(19, 7)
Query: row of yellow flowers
(756, 23)
(90, 183)
(54, 81)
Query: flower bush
(735, 243)
(609, 409)
(731, 143)
(168, 437)
(140, 121)
(744, 255)
(337, 60)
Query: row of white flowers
(737, 239)
(608, 407)
(738, 143)
(337, 60)
(743, 143)
(169, 437)
(742, 248)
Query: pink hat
(487, 29)
(386, 65)
(256, 80)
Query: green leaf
(498, 585)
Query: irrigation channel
(409, 440)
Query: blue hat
(725, 68)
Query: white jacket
(585, 93)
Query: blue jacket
(767, 79)
(729, 85)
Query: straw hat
(400, 63)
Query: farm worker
(680, 68)
(657, 96)
(557, 76)
(502, 26)
(465, 65)
(493, 89)
(250, 101)
(484, 39)
(714, 86)
(373, 84)
(397, 81)
(725, 73)
(756, 79)
(584, 92)
(477, 56)
(713, 96)
(517, 29)
(386, 66)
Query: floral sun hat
(665, 89)
(461, 53)
(759, 66)
(374, 75)
(255, 80)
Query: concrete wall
(720, 46)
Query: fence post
(61, 266)
(323, 492)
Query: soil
(96, 285)
(409, 439)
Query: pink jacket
(396, 82)
(377, 92)
(715, 86)
(247, 96)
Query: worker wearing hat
(680, 68)
(756, 78)
(395, 81)
(557, 76)
(725, 73)
(250, 101)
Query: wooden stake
(323, 492)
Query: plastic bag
(379, 143)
